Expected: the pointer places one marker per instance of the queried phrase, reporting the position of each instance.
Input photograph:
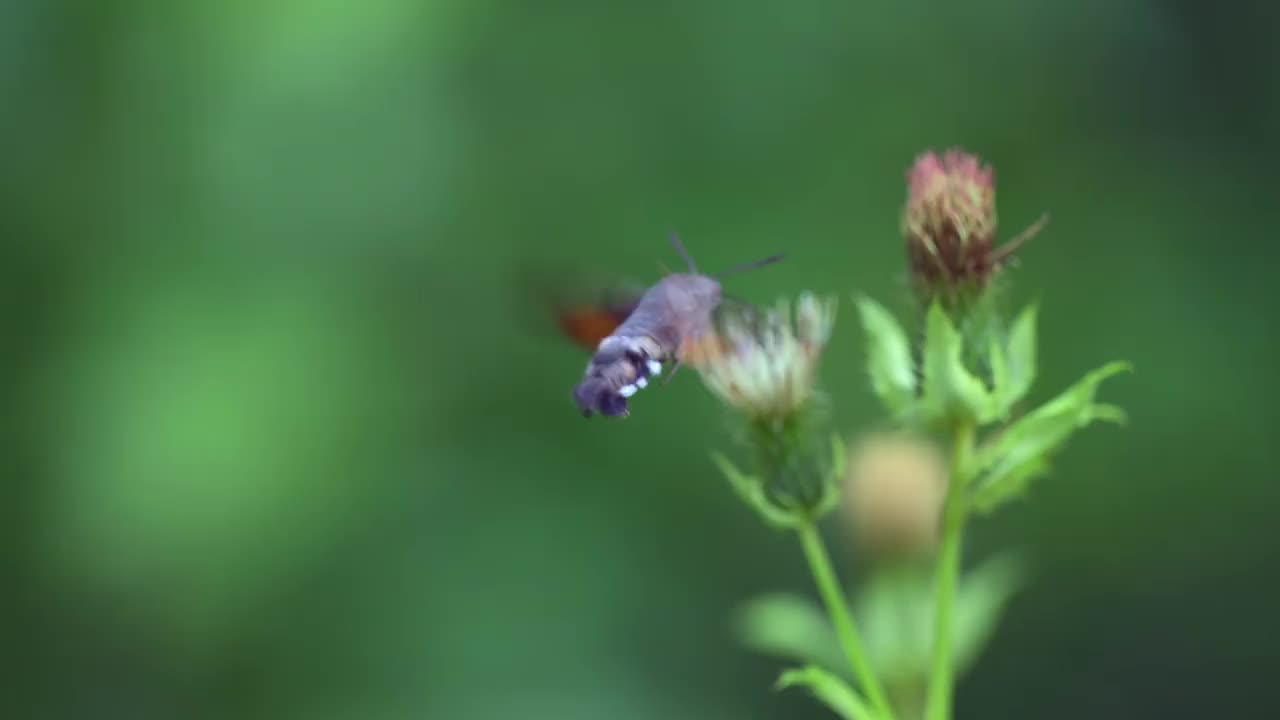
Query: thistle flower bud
(949, 225)
(894, 487)
(764, 365)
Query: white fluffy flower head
(766, 365)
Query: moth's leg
(675, 365)
(686, 353)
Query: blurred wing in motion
(709, 347)
(587, 325)
(583, 308)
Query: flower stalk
(942, 676)
(824, 576)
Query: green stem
(824, 575)
(941, 680)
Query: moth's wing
(587, 323)
(736, 310)
(703, 348)
(579, 306)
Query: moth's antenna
(750, 266)
(684, 253)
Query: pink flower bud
(949, 221)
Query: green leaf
(1017, 360)
(831, 690)
(896, 611)
(984, 593)
(1022, 452)
(889, 361)
(894, 607)
(1011, 486)
(789, 626)
(751, 491)
(999, 377)
(951, 392)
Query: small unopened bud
(949, 225)
(895, 486)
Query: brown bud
(949, 221)
(894, 490)
(949, 224)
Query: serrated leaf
(751, 491)
(1018, 360)
(951, 392)
(1022, 452)
(1013, 486)
(998, 357)
(789, 626)
(889, 360)
(831, 690)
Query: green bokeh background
(285, 440)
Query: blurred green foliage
(895, 609)
(285, 442)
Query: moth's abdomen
(621, 367)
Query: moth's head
(703, 289)
(688, 295)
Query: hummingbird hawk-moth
(635, 335)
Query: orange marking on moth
(702, 351)
(587, 326)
